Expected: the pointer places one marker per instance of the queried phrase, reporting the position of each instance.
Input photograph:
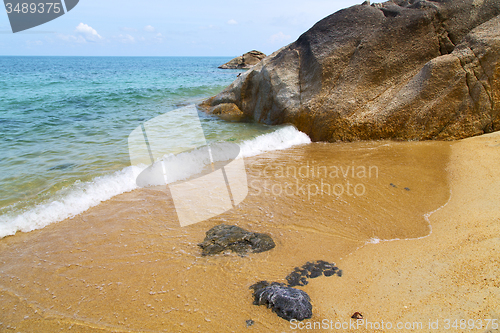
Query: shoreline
(449, 275)
(122, 248)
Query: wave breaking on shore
(69, 202)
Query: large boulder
(401, 69)
(246, 61)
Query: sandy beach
(126, 266)
(450, 275)
(280, 167)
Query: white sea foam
(70, 202)
(177, 167)
(285, 137)
(374, 240)
(82, 196)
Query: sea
(65, 122)
(92, 251)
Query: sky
(169, 28)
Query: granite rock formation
(246, 61)
(409, 70)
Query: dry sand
(454, 273)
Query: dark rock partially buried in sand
(288, 303)
(311, 270)
(357, 315)
(232, 238)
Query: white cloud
(89, 33)
(126, 39)
(159, 37)
(280, 37)
(71, 38)
(232, 22)
(149, 28)
(34, 43)
(209, 27)
(128, 29)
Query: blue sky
(169, 28)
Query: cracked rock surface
(410, 70)
(288, 303)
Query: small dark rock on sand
(250, 322)
(311, 270)
(288, 303)
(357, 315)
(232, 238)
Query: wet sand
(127, 266)
(450, 275)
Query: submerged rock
(232, 238)
(246, 61)
(288, 303)
(227, 111)
(394, 70)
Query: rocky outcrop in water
(228, 111)
(223, 238)
(288, 303)
(400, 70)
(246, 61)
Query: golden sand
(453, 274)
(127, 266)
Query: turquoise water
(65, 122)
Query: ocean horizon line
(114, 56)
